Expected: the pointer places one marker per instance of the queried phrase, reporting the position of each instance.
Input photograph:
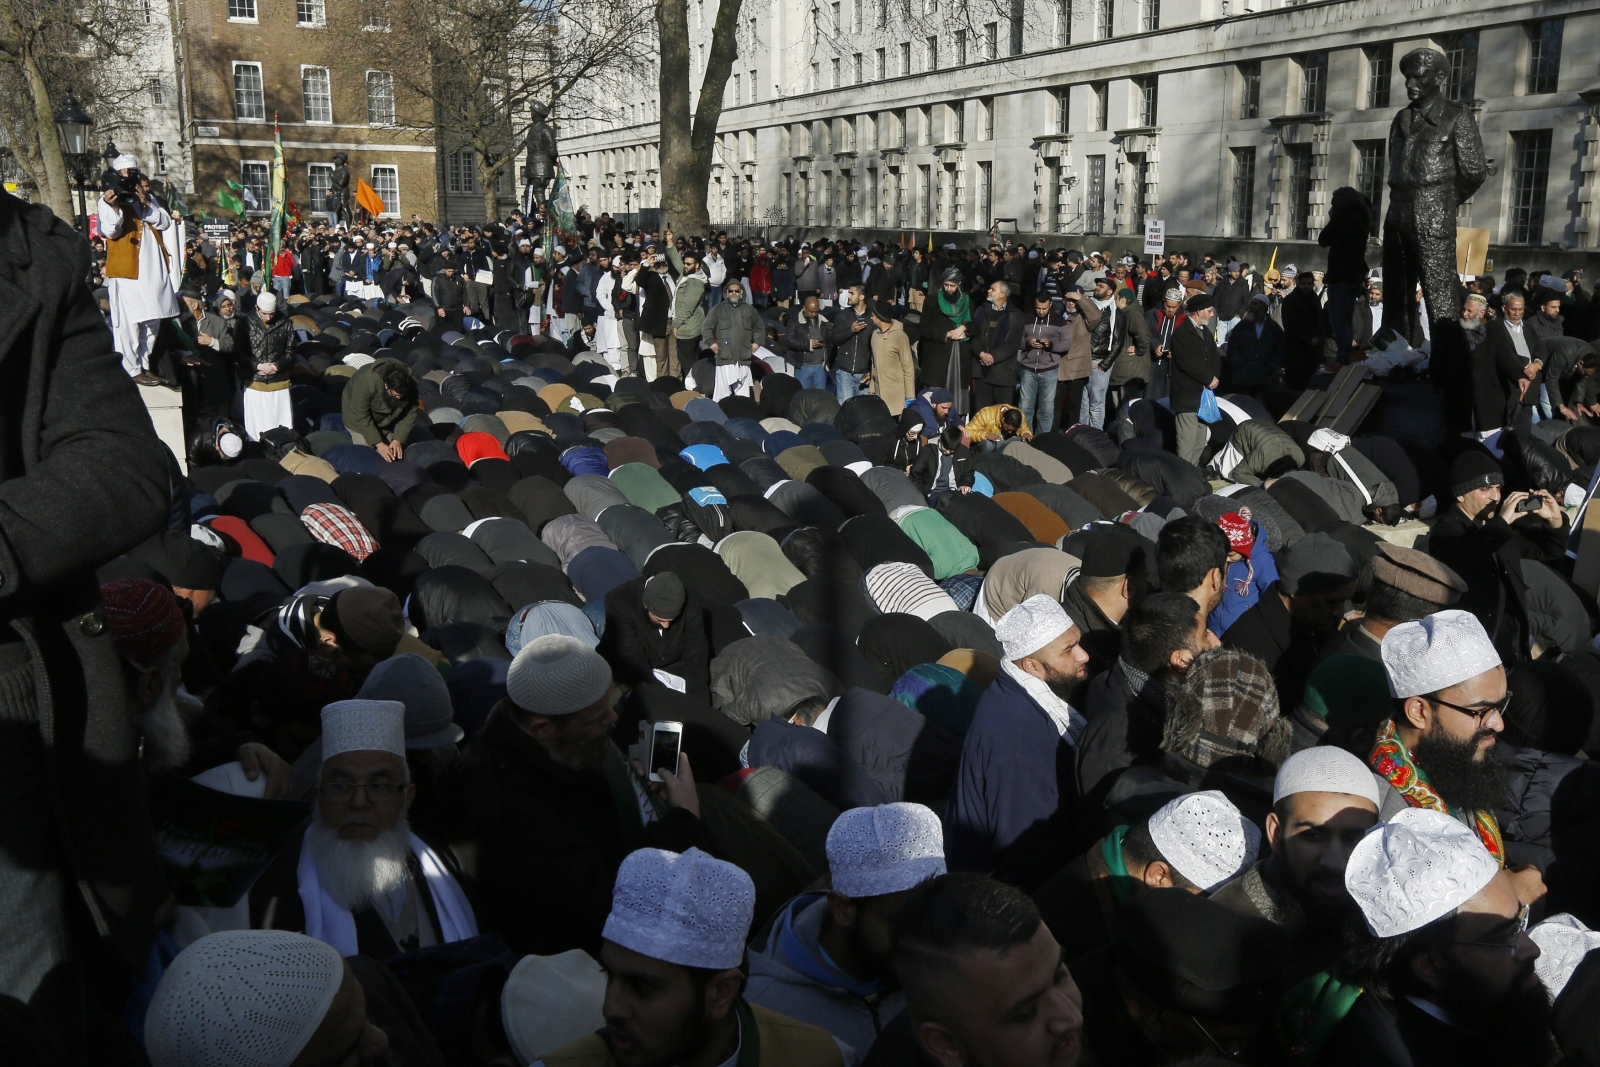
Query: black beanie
(1474, 470)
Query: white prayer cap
(242, 998)
(363, 726)
(1563, 943)
(884, 849)
(357, 360)
(1288, 271)
(1205, 838)
(1436, 652)
(1174, 295)
(686, 908)
(1325, 769)
(267, 302)
(557, 675)
(1417, 867)
(1031, 625)
(125, 161)
(549, 1002)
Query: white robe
(607, 335)
(147, 299)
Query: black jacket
(851, 351)
(1290, 649)
(657, 313)
(926, 467)
(449, 294)
(1496, 371)
(1124, 729)
(84, 479)
(1230, 297)
(1195, 361)
(540, 843)
(269, 343)
(909, 757)
(797, 338)
(1489, 557)
(635, 647)
(998, 333)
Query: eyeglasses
(377, 792)
(1482, 715)
(1516, 938)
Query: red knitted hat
(472, 447)
(1236, 525)
(143, 616)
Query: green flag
(228, 197)
(279, 193)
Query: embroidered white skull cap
(684, 908)
(1205, 838)
(364, 726)
(1418, 867)
(1436, 652)
(1325, 769)
(884, 849)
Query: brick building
(247, 60)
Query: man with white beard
(361, 881)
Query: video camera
(124, 186)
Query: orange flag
(368, 198)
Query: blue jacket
(1014, 790)
(1233, 604)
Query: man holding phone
(1499, 543)
(549, 806)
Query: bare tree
(686, 145)
(467, 70)
(46, 48)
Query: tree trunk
(55, 190)
(487, 173)
(686, 146)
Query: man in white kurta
(139, 304)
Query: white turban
(686, 908)
(267, 302)
(1031, 625)
(126, 161)
(1205, 838)
(1416, 868)
(1325, 769)
(1436, 652)
(884, 849)
(242, 998)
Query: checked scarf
(1391, 759)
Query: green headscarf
(960, 312)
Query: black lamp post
(111, 152)
(72, 129)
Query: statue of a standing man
(1435, 162)
(341, 185)
(541, 166)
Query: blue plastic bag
(1209, 411)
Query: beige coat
(894, 372)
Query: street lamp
(111, 153)
(72, 129)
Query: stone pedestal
(166, 411)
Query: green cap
(1347, 690)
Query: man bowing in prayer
(1439, 749)
(361, 880)
(138, 271)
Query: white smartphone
(666, 741)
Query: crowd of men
(1046, 696)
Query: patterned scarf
(1392, 760)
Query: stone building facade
(1230, 120)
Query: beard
(166, 737)
(1518, 1034)
(1465, 783)
(354, 874)
(1062, 684)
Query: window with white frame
(461, 171)
(249, 98)
(311, 12)
(158, 95)
(242, 9)
(255, 176)
(374, 16)
(159, 150)
(380, 98)
(316, 95)
(386, 183)
(319, 178)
